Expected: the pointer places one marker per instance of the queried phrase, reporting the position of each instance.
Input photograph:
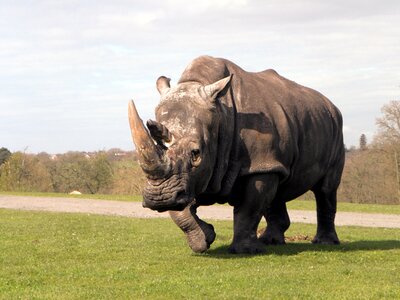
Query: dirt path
(216, 212)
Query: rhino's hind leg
(326, 211)
(277, 223)
(255, 192)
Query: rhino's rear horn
(159, 132)
(212, 90)
(152, 158)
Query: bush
(4, 155)
(128, 178)
(369, 176)
(99, 172)
(24, 173)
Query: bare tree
(388, 138)
(389, 125)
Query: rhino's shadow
(296, 248)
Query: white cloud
(346, 129)
(93, 56)
(196, 7)
(130, 19)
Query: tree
(4, 155)
(388, 138)
(99, 174)
(78, 171)
(368, 177)
(69, 171)
(363, 142)
(25, 173)
(128, 178)
(389, 125)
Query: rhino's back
(289, 128)
(281, 126)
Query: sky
(69, 68)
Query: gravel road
(215, 212)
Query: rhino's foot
(200, 240)
(247, 247)
(329, 238)
(209, 232)
(200, 235)
(272, 236)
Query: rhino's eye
(195, 157)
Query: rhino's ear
(159, 132)
(163, 85)
(212, 90)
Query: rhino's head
(178, 151)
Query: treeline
(370, 176)
(111, 172)
(371, 173)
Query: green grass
(348, 207)
(77, 256)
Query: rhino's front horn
(152, 158)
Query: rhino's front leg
(200, 235)
(257, 191)
(277, 223)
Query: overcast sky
(68, 68)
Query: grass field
(296, 204)
(348, 207)
(77, 256)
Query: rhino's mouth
(170, 194)
(178, 202)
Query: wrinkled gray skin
(254, 140)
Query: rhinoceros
(253, 140)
